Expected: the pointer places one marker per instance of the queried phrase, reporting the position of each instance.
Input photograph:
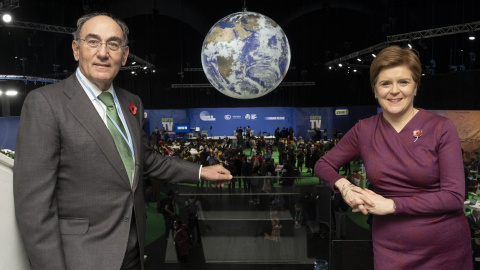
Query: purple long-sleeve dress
(424, 176)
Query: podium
(12, 250)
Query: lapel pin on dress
(133, 109)
(417, 134)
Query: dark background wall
(169, 34)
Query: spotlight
(340, 65)
(330, 67)
(153, 70)
(7, 18)
(374, 55)
(11, 93)
(133, 72)
(133, 63)
(144, 68)
(471, 35)
(1, 92)
(359, 60)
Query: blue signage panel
(224, 121)
(165, 118)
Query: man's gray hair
(81, 21)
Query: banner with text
(224, 121)
(165, 118)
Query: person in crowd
(237, 163)
(212, 158)
(267, 169)
(78, 187)
(168, 213)
(316, 153)
(317, 135)
(276, 226)
(194, 215)
(300, 155)
(267, 155)
(181, 240)
(308, 159)
(292, 155)
(282, 152)
(277, 135)
(246, 171)
(339, 209)
(414, 160)
(239, 136)
(290, 133)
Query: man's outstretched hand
(216, 173)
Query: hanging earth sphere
(245, 55)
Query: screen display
(182, 128)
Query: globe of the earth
(245, 55)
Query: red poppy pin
(417, 134)
(133, 108)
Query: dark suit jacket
(472, 225)
(73, 200)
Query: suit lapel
(82, 109)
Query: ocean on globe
(245, 55)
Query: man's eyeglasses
(95, 44)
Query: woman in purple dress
(414, 160)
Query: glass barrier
(276, 222)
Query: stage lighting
(340, 65)
(1, 92)
(471, 35)
(7, 18)
(374, 55)
(11, 93)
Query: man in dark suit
(78, 195)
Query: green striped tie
(122, 146)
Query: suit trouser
(131, 261)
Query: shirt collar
(96, 91)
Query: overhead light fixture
(374, 55)
(145, 68)
(6, 17)
(471, 35)
(1, 92)
(11, 93)
(359, 60)
(409, 44)
(340, 65)
(133, 63)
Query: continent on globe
(245, 55)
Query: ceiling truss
(424, 34)
(69, 31)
